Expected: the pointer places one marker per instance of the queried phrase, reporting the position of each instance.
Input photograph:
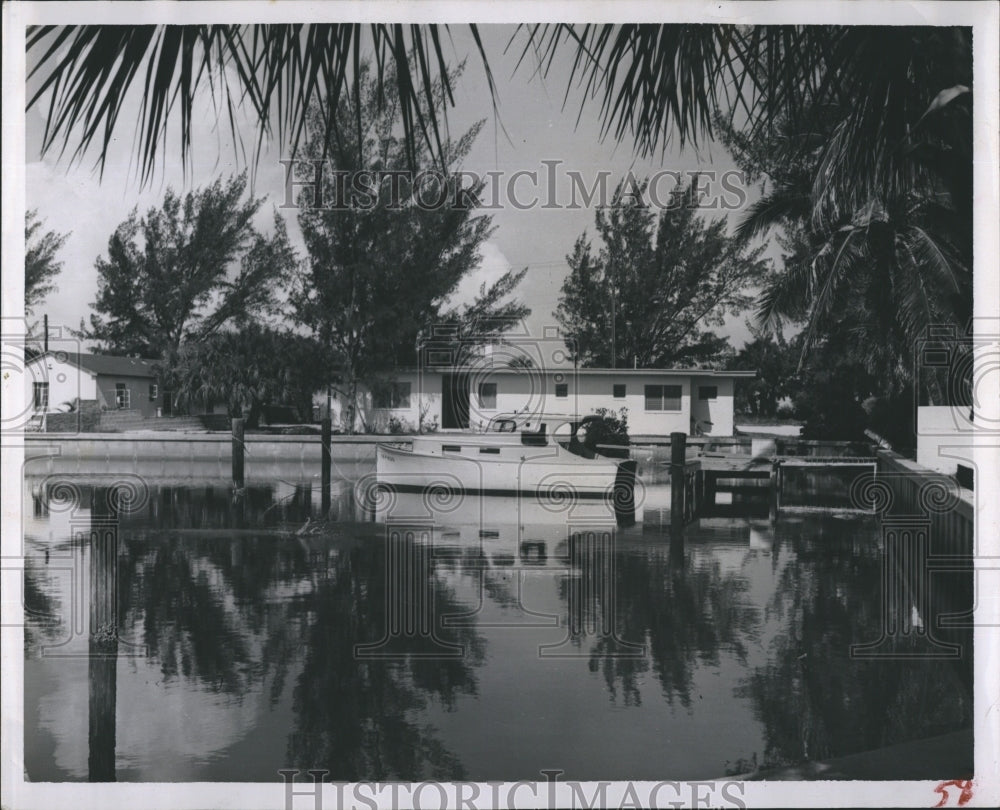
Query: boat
(515, 455)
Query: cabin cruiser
(539, 455)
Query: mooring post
(678, 457)
(239, 452)
(775, 489)
(325, 439)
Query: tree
(186, 269)
(40, 263)
(644, 299)
(879, 267)
(246, 369)
(492, 314)
(380, 269)
(775, 360)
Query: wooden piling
(239, 452)
(711, 480)
(325, 439)
(775, 488)
(678, 459)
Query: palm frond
(827, 282)
(786, 201)
(784, 297)
(84, 74)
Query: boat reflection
(523, 526)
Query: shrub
(611, 429)
(399, 425)
(785, 411)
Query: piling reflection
(400, 649)
(102, 664)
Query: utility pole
(614, 351)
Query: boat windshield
(569, 432)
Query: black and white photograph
(494, 405)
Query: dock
(762, 474)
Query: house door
(454, 401)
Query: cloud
(492, 267)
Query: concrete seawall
(196, 455)
(204, 446)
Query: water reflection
(237, 637)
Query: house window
(708, 392)
(41, 396)
(487, 396)
(394, 396)
(562, 390)
(123, 397)
(618, 390)
(154, 391)
(663, 397)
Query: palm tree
(83, 74)
(652, 81)
(880, 267)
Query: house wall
(944, 438)
(138, 388)
(718, 411)
(425, 400)
(535, 392)
(66, 382)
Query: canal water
(176, 632)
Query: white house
(946, 438)
(114, 383)
(659, 401)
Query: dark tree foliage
(646, 296)
(381, 264)
(41, 264)
(877, 238)
(247, 370)
(186, 269)
(775, 360)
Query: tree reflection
(232, 610)
(814, 700)
(355, 717)
(685, 615)
(236, 611)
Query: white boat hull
(546, 472)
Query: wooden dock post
(239, 452)
(775, 489)
(678, 459)
(327, 432)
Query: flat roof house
(659, 401)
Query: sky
(533, 127)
